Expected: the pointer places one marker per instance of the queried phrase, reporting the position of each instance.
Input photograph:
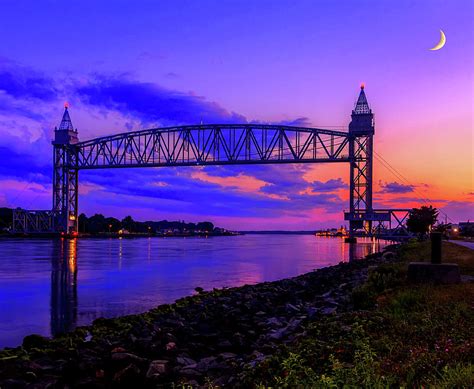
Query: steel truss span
(213, 145)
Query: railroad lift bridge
(217, 144)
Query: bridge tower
(361, 133)
(65, 175)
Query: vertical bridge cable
(399, 175)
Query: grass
(401, 335)
(451, 253)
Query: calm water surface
(49, 286)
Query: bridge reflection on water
(64, 286)
(64, 276)
(48, 286)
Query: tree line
(98, 223)
(420, 221)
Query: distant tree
(6, 218)
(113, 224)
(205, 226)
(140, 226)
(97, 224)
(421, 219)
(129, 224)
(83, 222)
(444, 228)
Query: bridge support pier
(65, 177)
(361, 133)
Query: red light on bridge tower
(65, 176)
(361, 131)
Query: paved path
(463, 243)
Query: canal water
(51, 286)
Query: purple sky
(123, 67)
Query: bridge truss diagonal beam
(213, 145)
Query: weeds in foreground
(401, 336)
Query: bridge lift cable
(18, 196)
(32, 201)
(400, 176)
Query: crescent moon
(441, 42)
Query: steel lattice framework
(216, 144)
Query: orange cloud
(241, 183)
(87, 187)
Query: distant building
(466, 228)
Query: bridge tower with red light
(65, 176)
(361, 143)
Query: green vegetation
(6, 218)
(421, 219)
(99, 223)
(399, 335)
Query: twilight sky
(126, 67)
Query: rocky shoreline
(203, 340)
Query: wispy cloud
(153, 103)
(26, 83)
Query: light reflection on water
(52, 286)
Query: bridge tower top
(65, 133)
(362, 117)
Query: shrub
(380, 279)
